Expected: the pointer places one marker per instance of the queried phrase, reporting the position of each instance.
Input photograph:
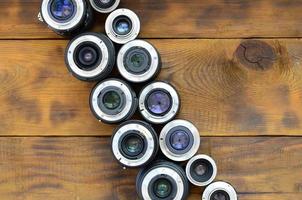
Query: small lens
(62, 9)
(111, 100)
(122, 25)
(220, 195)
(179, 140)
(162, 188)
(159, 102)
(133, 145)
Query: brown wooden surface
(176, 18)
(223, 92)
(261, 168)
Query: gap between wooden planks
(227, 87)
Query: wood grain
(227, 87)
(260, 168)
(175, 18)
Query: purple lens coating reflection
(179, 140)
(159, 102)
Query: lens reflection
(112, 100)
(162, 188)
(179, 140)
(159, 102)
(62, 9)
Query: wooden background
(245, 96)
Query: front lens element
(62, 9)
(179, 140)
(87, 56)
(133, 145)
(111, 100)
(159, 102)
(122, 25)
(162, 188)
(220, 195)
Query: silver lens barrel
(219, 190)
(179, 140)
(122, 26)
(104, 6)
(201, 170)
(138, 61)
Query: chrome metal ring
(163, 171)
(174, 107)
(62, 26)
(226, 187)
(201, 157)
(88, 73)
(105, 10)
(128, 96)
(122, 39)
(163, 138)
(138, 78)
(150, 145)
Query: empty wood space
(243, 94)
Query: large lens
(220, 195)
(111, 100)
(162, 188)
(62, 9)
(159, 102)
(180, 140)
(122, 25)
(133, 145)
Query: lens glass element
(122, 25)
(133, 145)
(220, 195)
(162, 188)
(159, 102)
(62, 9)
(179, 140)
(111, 100)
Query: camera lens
(104, 6)
(179, 140)
(162, 180)
(90, 56)
(113, 101)
(219, 191)
(201, 170)
(159, 102)
(138, 61)
(66, 17)
(134, 143)
(122, 26)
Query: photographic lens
(179, 140)
(66, 17)
(220, 195)
(104, 6)
(122, 26)
(219, 191)
(201, 170)
(62, 9)
(90, 56)
(162, 188)
(159, 102)
(162, 180)
(134, 143)
(113, 101)
(138, 61)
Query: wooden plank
(224, 90)
(261, 168)
(176, 19)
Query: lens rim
(151, 143)
(156, 119)
(179, 155)
(122, 39)
(125, 113)
(74, 21)
(105, 10)
(219, 185)
(102, 68)
(155, 63)
(191, 177)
